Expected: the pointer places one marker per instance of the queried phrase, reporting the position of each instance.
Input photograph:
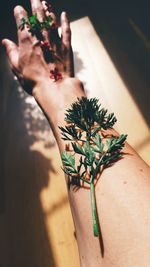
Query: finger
(23, 35)
(69, 63)
(37, 8)
(53, 29)
(48, 10)
(65, 30)
(19, 13)
(12, 52)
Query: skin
(123, 191)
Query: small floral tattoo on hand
(55, 75)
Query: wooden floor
(36, 228)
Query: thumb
(12, 52)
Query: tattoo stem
(96, 229)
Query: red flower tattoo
(45, 45)
(55, 75)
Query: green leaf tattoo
(86, 129)
(35, 26)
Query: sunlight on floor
(101, 78)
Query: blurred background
(111, 43)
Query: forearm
(123, 204)
(121, 193)
(54, 103)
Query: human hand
(33, 67)
(28, 60)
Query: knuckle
(39, 9)
(25, 37)
(67, 29)
(22, 59)
(37, 53)
(9, 48)
(25, 40)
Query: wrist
(55, 97)
(45, 85)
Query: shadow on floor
(24, 173)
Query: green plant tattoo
(34, 25)
(86, 125)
